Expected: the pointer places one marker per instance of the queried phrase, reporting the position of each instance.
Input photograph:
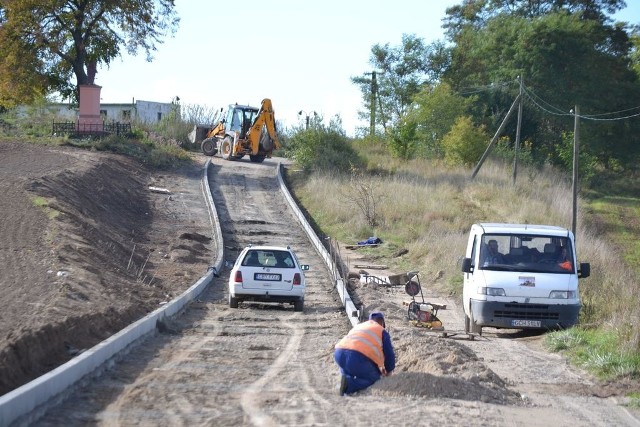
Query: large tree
(401, 71)
(44, 44)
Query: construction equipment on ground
(422, 314)
(243, 131)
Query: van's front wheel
(473, 327)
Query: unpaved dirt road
(267, 365)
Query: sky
(300, 54)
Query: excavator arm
(265, 118)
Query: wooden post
(495, 137)
(517, 143)
(374, 89)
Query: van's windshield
(514, 252)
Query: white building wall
(144, 111)
(152, 112)
(117, 112)
(63, 111)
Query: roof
(243, 107)
(501, 228)
(269, 247)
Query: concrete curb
(350, 308)
(25, 401)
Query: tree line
(438, 100)
(442, 99)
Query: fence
(91, 129)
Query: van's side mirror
(304, 267)
(585, 270)
(466, 265)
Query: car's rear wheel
(233, 302)
(298, 305)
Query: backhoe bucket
(199, 133)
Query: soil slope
(86, 248)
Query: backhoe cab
(244, 131)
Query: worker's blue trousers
(359, 370)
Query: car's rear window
(268, 258)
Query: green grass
(596, 350)
(634, 400)
(43, 204)
(155, 145)
(619, 220)
(153, 154)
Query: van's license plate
(517, 323)
(265, 276)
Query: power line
(530, 96)
(546, 106)
(614, 112)
(594, 117)
(478, 89)
(610, 120)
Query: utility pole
(374, 89)
(576, 143)
(372, 107)
(517, 143)
(301, 112)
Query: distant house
(143, 111)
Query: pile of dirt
(427, 365)
(433, 368)
(86, 250)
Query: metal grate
(527, 312)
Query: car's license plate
(518, 323)
(267, 276)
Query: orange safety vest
(365, 338)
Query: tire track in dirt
(251, 398)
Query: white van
(521, 276)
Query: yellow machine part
(265, 118)
(436, 324)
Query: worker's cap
(377, 315)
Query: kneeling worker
(364, 354)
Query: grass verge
(596, 350)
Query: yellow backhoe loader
(244, 131)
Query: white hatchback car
(267, 274)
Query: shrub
(322, 148)
(403, 140)
(465, 143)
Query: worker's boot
(343, 385)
